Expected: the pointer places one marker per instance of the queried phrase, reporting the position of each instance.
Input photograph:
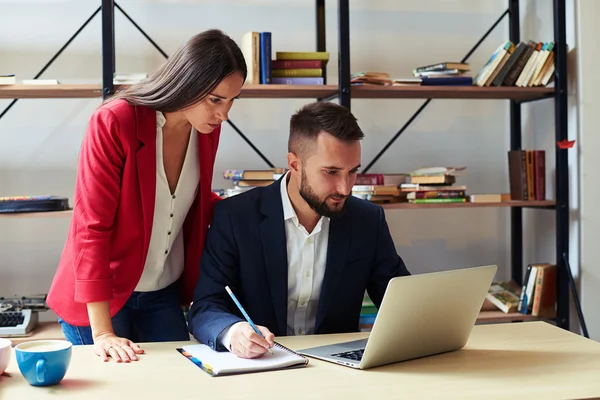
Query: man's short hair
(317, 117)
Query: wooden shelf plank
(512, 203)
(95, 90)
(49, 214)
(451, 92)
(492, 316)
(288, 91)
(304, 91)
(50, 91)
(499, 316)
(387, 206)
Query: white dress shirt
(165, 259)
(307, 255)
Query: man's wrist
(226, 334)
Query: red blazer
(113, 210)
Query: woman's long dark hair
(189, 75)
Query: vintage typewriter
(19, 316)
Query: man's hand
(246, 343)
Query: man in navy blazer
(299, 253)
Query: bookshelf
(345, 92)
(516, 96)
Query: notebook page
(225, 362)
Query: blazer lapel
(146, 167)
(337, 251)
(272, 231)
(206, 168)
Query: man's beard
(318, 206)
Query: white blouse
(165, 259)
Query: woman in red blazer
(143, 202)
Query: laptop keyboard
(352, 355)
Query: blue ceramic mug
(43, 362)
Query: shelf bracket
(55, 56)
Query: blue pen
(237, 303)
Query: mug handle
(40, 371)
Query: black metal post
(516, 213)
(321, 43)
(562, 164)
(344, 52)
(108, 47)
(54, 57)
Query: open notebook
(225, 363)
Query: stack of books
(447, 73)
(434, 185)
(380, 188)
(299, 67)
(288, 67)
(244, 179)
(368, 312)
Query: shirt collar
(160, 119)
(288, 209)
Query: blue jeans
(146, 317)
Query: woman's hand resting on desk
(120, 349)
(246, 343)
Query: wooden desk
(525, 360)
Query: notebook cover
(210, 371)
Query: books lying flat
(25, 204)
(218, 363)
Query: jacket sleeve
(210, 312)
(97, 190)
(388, 264)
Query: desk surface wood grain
(523, 360)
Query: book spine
(297, 81)
(369, 179)
(299, 72)
(524, 288)
(514, 73)
(295, 64)
(447, 81)
(530, 175)
(435, 201)
(517, 174)
(540, 174)
(265, 57)
(302, 55)
(233, 174)
(439, 194)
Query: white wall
(39, 139)
(589, 144)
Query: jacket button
(210, 344)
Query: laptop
(420, 315)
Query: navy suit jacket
(246, 250)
